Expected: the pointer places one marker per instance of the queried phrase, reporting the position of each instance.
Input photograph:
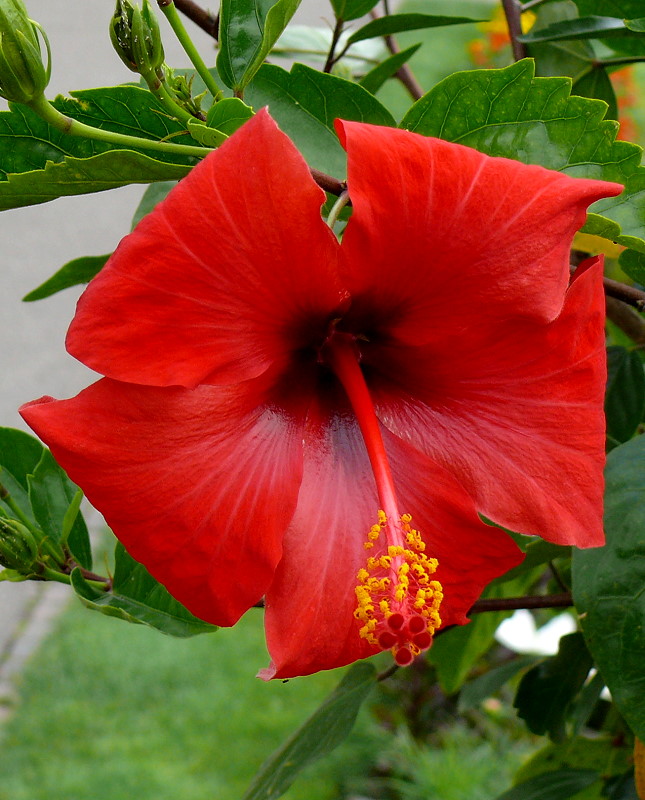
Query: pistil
(397, 599)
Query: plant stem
(160, 91)
(331, 57)
(513, 13)
(404, 73)
(338, 206)
(562, 600)
(191, 51)
(66, 124)
(60, 577)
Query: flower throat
(397, 599)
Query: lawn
(122, 712)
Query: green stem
(61, 577)
(160, 91)
(338, 206)
(186, 42)
(619, 61)
(66, 124)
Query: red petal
(218, 282)
(199, 485)
(516, 414)
(441, 233)
(309, 608)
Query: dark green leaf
(545, 692)
(80, 270)
(78, 538)
(538, 552)
(595, 83)
(376, 77)
(510, 113)
(395, 23)
(325, 729)
(154, 194)
(625, 395)
(137, 597)
(624, 9)
(580, 28)
(608, 585)
(248, 29)
(476, 691)
(562, 784)
(455, 652)
(633, 263)
(19, 455)
(585, 703)
(622, 787)
(352, 9)
(305, 104)
(51, 493)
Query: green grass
(122, 712)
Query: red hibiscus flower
(319, 424)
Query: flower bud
(136, 37)
(23, 75)
(18, 547)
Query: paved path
(34, 243)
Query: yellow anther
(385, 561)
(407, 518)
(382, 517)
(362, 574)
(368, 545)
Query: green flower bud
(18, 547)
(22, 73)
(136, 37)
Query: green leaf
(137, 597)
(80, 270)
(546, 691)
(608, 585)
(456, 651)
(348, 10)
(585, 703)
(509, 112)
(596, 83)
(579, 28)
(376, 77)
(209, 137)
(28, 143)
(312, 44)
(625, 9)
(51, 493)
(75, 533)
(74, 176)
(633, 264)
(625, 395)
(305, 103)
(562, 784)
(228, 115)
(476, 691)
(636, 24)
(395, 23)
(538, 552)
(248, 30)
(325, 729)
(19, 454)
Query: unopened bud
(136, 37)
(23, 75)
(18, 547)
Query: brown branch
(627, 319)
(562, 600)
(328, 182)
(332, 58)
(404, 73)
(203, 19)
(628, 294)
(513, 13)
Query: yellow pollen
(397, 601)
